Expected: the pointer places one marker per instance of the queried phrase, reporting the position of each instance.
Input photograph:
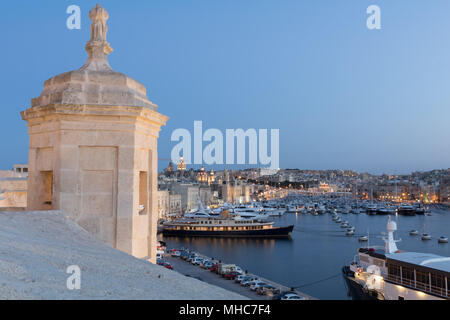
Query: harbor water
(312, 259)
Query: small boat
(382, 210)
(273, 212)
(406, 210)
(420, 210)
(363, 238)
(413, 233)
(371, 209)
(344, 225)
(291, 209)
(426, 236)
(350, 233)
(321, 209)
(443, 239)
(351, 229)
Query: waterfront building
(444, 189)
(93, 149)
(205, 195)
(21, 170)
(235, 191)
(205, 177)
(181, 166)
(169, 204)
(202, 176)
(189, 193)
(324, 187)
(13, 188)
(211, 177)
(175, 205)
(163, 203)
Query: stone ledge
(36, 113)
(108, 88)
(36, 247)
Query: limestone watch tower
(93, 149)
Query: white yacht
(199, 213)
(249, 212)
(363, 239)
(371, 209)
(273, 210)
(426, 236)
(443, 239)
(321, 209)
(291, 208)
(386, 273)
(406, 210)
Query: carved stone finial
(98, 48)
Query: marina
(204, 274)
(312, 258)
(388, 273)
(245, 150)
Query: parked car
(241, 277)
(291, 296)
(191, 257)
(167, 265)
(280, 295)
(225, 268)
(175, 253)
(248, 281)
(268, 290)
(238, 269)
(196, 261)
(257, 284)
(231, 275)
(159, 262)
(213, 268)
(207, 264)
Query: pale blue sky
(343, 97)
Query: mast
(371, 195)
(391, 246)
(396, 191)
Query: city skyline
(344, 97)
(233, 168)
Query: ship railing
(425, 287)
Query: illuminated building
(181, 166)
